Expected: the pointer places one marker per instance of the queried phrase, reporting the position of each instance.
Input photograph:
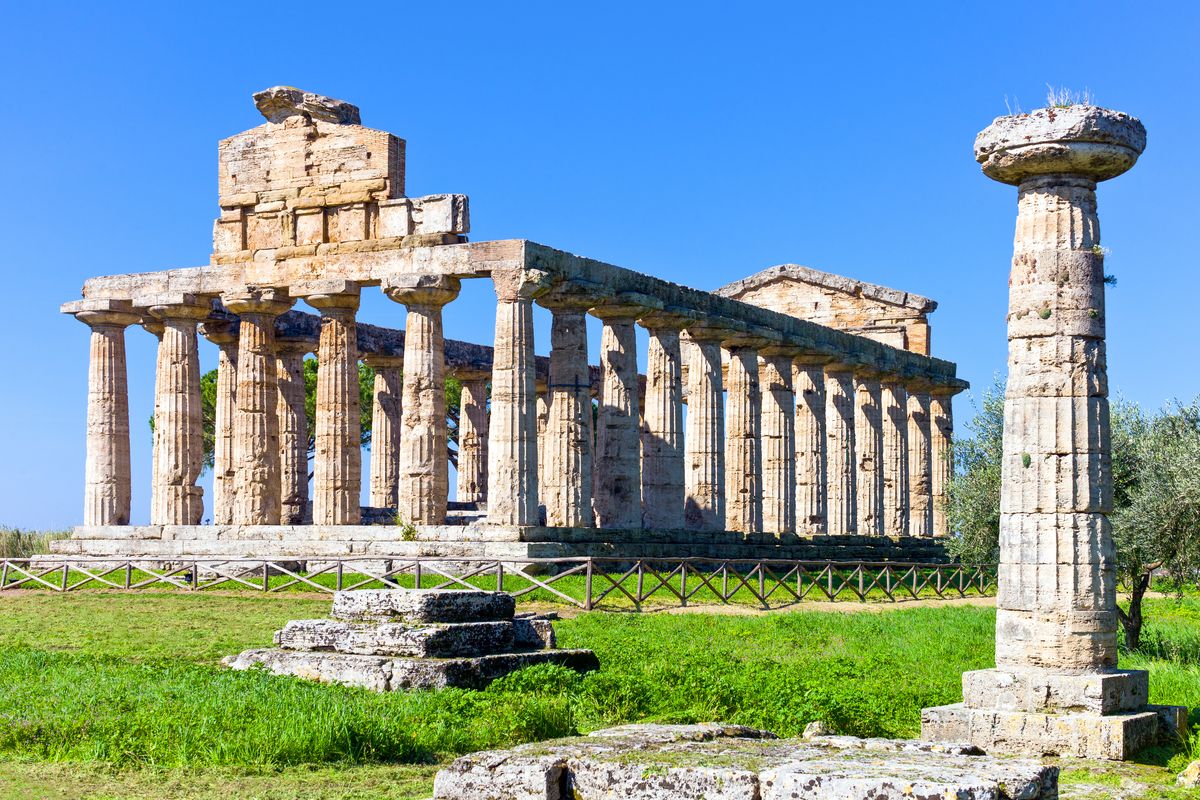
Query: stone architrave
(704, 438)
(941, 455)
(223, 333)
(424, 476)
(293, 429)
(868, 453)
(616, 475)
(512, 436)
(107, 488)
(1055, 688)
(894, 419)
(386, 406)
(663, 473)
(337, 460)
(808, 386)
(256, 423)
(920, 470)
(178, 423)
(743, 436)
(778, 441)
(841, 508)
(472, 485)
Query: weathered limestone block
(280, 102)
(422, 607)
(704, 438)
(808, 378)
(778, 442)
(663, 472)
(894, 417)
(868, 447)
(472, 486)
(223, 333)
(386, 406)
(293, 429)
(1048, 691)
(840, 470)
(398, 639)
(743, 438)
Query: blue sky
(699, 142)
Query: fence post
(762, 584)
(499, 576)
(66, 572)
(417, 574)
(683, 595)
(338, 583)
(587, 586)
(641, 583)
(4, 574)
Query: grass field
(124, 688)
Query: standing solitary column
(778, 442)
(293, 429)
(808, 379)
(868, 446)
(743, 438)
(256, 424)
(223, 333)
(920, 473)
(568, 440)
(106, 497)
(337, 460)
(841, 472)
(894, 416)
(386, 406)
(941, 454)
(512, 439)
(424, 480)
(472, 484)
(178, 422)
(662, 429)
(704, 439)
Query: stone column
(106, 496)
(663, 473)
(155, 328)
(808, 384)
(223, 333)
(617, 480)
(920, 471)
(894, 417)
(337, 458)
(941, 455)
(543, 419)
(1055, 689)
(868, 448)
(473, 438)
(567, 488)
(704, 438)
(256, 424)
(743, 437)
(178, 422)
(512, 439)
(424, 480)
(293, 429)
(386, 405)
(778, 441)
(841, 472)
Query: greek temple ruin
(794, 413)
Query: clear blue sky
(698, 142)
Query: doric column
(704, 438)
(293, 429)
(424, 480)
(337, 457)
(543, 419)
(223, 333)
(941, 454)
(567, 471)
(663, 473)
(512, 439)
(841, 472)
(920, 472)
(386, 405)
(178, 419)
(473, 438)
(743, 436)
(106, 496)
(256, 424)
(808, 385)
(868, 450)
(894, 417)
(778, 441)
(155, 328)
(617, 480)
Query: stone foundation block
(398, 639)
(1041, 691)
(422, 607)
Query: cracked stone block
(422, 606)
(398, 639)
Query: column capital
(295, 345)
(512, 285)
(427, 291)
(383, 360)
(175, 305)
(102, 313)
(329, 294)
(754, 337)
(712, 329)
(571, 295)
(466, 374)
(808, 358)
(670, 318)
(625, 306)
(220, 330)
(945, 389)
(257, 300)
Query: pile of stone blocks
(729, 762)
(395, 639)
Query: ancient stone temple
(793, 414)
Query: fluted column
(567, 471)
(841, 471)
(256, 424)
(704, 438)
(941, 455)
(512, 439)
(178, 419)
(894, 417)
(808, 385)
(106, 496)
(543, 419)
(868, 451)
(155, 328)
(778, 442)
(663, 473)
(424, 480)
(920, 473)
(743, 438)
(386, 406)
(473, 438)
(293, 429)
(223, 333)
(337, 459)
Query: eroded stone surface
(423, 606)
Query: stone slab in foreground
(722, 762)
